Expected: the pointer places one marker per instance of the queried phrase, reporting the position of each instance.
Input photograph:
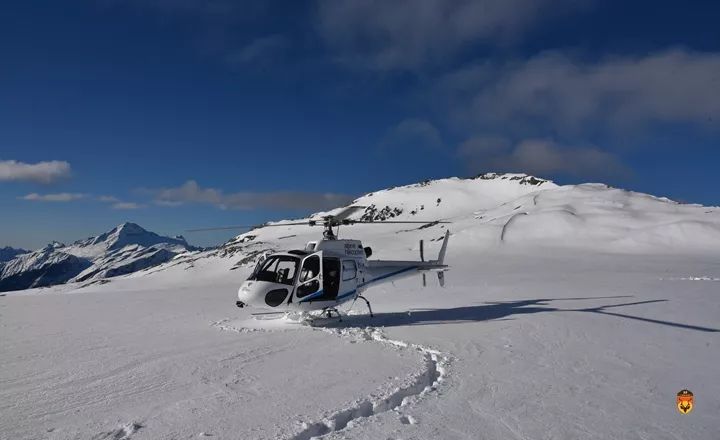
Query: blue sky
(186, 113)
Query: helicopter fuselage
(324, 275)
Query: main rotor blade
(221, 228)
(318, 222)
(345, 213)
(306, 223)
(224, 228)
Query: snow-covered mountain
(519, 210)
(124, 249)
(508, 211)
(7, 253)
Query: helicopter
(329, 272)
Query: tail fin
(422, 258)
(443, 249)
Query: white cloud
(554, 93)
(126, 205)
(409, 34)
(41, 172)
(167, 203)
(57, 197)
(191, 192)
(116, 203)
(541, 157)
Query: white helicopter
(329, 272)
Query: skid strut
(368, 304)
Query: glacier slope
(541, 347)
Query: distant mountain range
(7, 253)
(124, 249)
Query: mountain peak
(122, 235)
(521, 178)
(130, 227)
(53, 245)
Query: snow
(565, 326)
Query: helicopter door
(309, 281)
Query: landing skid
(265, 316)
(328, 312)
(304, 318)
(325, 314)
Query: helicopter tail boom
(393, 269)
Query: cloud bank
(553, 91)
(113, 201)
(191, 192)
(411, 34)
(41, 172)
(541, 157)
(57, 197)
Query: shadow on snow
(494, 311)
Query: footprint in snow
(408, 420)
(124, 432)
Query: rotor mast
(328, 233)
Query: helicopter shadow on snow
(497, 311)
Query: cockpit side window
(308, 277)
(277, 269)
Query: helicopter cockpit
(306, 277)
(276, 269)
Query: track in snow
(427, 381)
(417, 386)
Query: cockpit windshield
(276, 269)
